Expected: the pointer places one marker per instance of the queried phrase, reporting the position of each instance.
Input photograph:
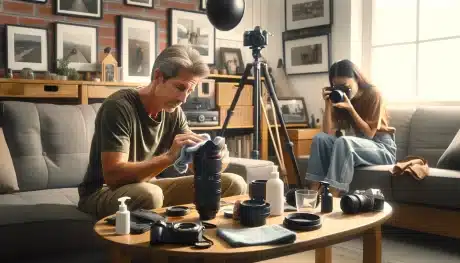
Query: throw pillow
(450, 159)
(8, 179)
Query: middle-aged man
(139, 133)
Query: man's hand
(225, 155)
(179, 141)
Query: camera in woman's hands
(362, 201)
(338, 93)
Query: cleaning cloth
(186, 153)
(254, 236)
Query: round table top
(336, 227)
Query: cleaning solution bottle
(326, 199)
(122, 219)
(274, 193)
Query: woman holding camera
(333, 157)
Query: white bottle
(274, 192)
(123, 220)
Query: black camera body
(337, 93)
(371, 200)
(255, 38)
(163, 232)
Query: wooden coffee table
(336, 228)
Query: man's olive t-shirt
(123, 125)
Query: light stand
(261, 68)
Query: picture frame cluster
(307, 36)
(137, 40)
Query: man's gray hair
(176, 57)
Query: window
(415, 49)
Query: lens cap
(177, 211)
(302, 221)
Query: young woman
(333, 157)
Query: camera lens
(336, 96)
(356, 203)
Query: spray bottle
(123, 220)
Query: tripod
(261, 68)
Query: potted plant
(62, 69)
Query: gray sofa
(44, 151)
(424, 131)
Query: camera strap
(205, 242)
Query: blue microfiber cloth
(186, 153)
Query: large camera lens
(355, 203)
(207, 180)
(337, 96)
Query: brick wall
(41, 15)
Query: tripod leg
(243, 80)
(288, 143)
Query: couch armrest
(250, 169)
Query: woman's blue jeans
(333, 159)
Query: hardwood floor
(399, 246)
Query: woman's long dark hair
(346, 68)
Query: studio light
(225, 15)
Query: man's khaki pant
(154, 194)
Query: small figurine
(10, 73)
(313, 122)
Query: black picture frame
(289, 118)
(203, 4)
(210, 58)
(240, 64)
(80, 67)
(325, 35)
(123, 48)
(135, 3)
(315, 22)
(42, 67)
(98, 15)
(36, 1)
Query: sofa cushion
(440, 188)
(49, 143)
(375, 176)
(44, 220)
(8, 180)
(250, 169)
(450, 159)
(432, 130)
(400, 118)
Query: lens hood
(254, 213)
(302, 221)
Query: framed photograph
(307, 13)
(78, 44)
(36, 1)
(142, 3)
(138, 48)
(203, 4)
(26, 47)
(307, 55)
(193, 28)
(79, 8)
(232, 60)
(293, 110)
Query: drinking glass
(305, 200)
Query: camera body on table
(361, 201)
(187, 233)
(338, 93)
